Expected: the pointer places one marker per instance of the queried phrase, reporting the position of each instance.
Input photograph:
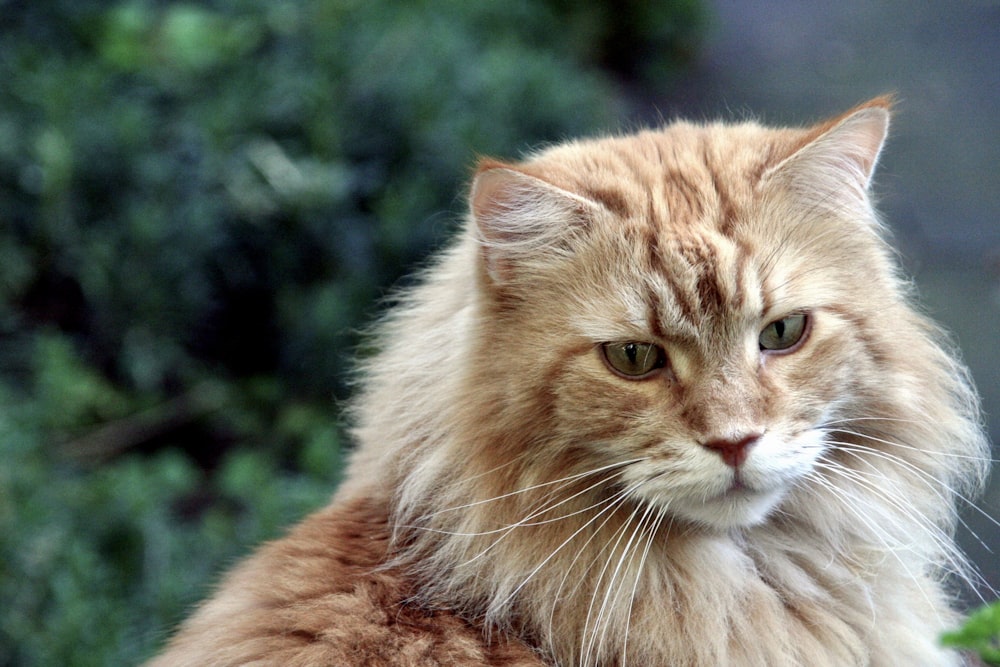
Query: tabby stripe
(656, 263)
(727, 207)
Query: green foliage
(96, 564)
(980, 634)
(199, 204)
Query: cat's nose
(732, 450)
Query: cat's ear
(521, 218)
(836, 161)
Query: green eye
(784, 334)
(632, 360)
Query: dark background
(202, 203)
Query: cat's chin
(735, 508)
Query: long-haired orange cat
(664, 401)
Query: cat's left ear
(837, 159)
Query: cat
(665, 400)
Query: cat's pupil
(632, 351)
(779, 329)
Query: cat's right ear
(521, 219)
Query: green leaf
(980, 633)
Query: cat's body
(664, 402)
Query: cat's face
(718, 374)
(704, 339)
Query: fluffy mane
(666, 400)
(536, 492)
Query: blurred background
(202, 203)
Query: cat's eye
(632, 360)
(784, 334)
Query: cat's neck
(644, 591)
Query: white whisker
(848, 502)
(526, 521)
(928, 479)
(896, 443)
(875, 481)
(589, 648)
(621, 496)
(610, 501)
(613, 592)
(651, 532)
(569, 478)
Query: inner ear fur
(837, 159)
(519, 215)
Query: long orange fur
(514, 500)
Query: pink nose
(733, 452)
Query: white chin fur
(736, 509)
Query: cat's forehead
(701, 282)
(680, 178)
(681, 193)
(700, 287)
(677, 203)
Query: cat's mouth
(739, 506)
(740, 490)
(738, 485)
(707, 491)
(739, 502)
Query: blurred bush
(199, 205)
(979, 635)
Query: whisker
(580, 551)
(901, 445)
(586, 646)
(654, 528)
(569, 478)
(848, 502)
(620, 532)
(621, 496)
(510, 529)
(526, 521)
(876, 481)
(958, 562)
(856, 451)
(926, 477)
(953, 556)
(611, 598)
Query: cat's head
(654, 366)
(707, 310)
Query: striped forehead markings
(698, 281)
